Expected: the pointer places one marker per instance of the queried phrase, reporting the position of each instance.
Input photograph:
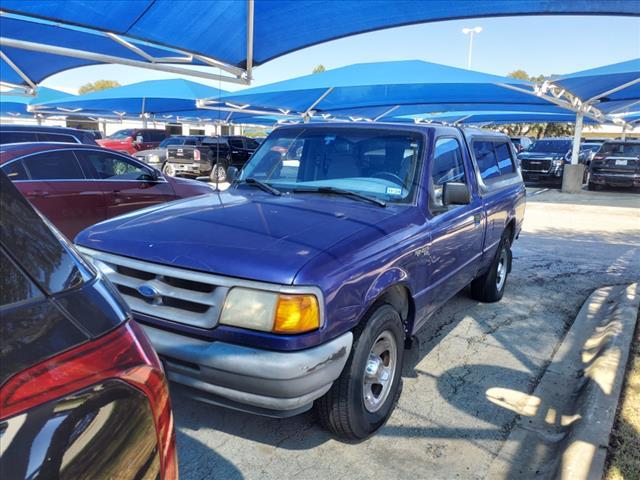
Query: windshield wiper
(262, 186)
(340, 191)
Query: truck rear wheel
(490, 286)
(363, 397)
(169, 169)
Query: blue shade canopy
(611, 87)
(495, 117)
(152, 97)
(39, 65)
(383, 85)
(218, 28)
(13, 103)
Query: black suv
(82, 392)
(212, 157)
(37, 133)
(617, 163)
(545, 159)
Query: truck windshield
(551, 146)
(380, 163)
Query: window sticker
(394, 191)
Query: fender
(388, 278)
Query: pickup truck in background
(617, 164)
(305, 281)
(157, 157)
(212, 157)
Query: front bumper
(615, 179)
(278, 384)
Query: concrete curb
(564, 426)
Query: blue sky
(539, 45)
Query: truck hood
(244, 234)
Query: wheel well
(399, 297)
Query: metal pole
(575, 151)
(470, 50)
(250, 19)
(624, 132)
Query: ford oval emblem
(148, 291)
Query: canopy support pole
(15, 68)
(624, 107)
(250, 17)
(101, 58)
(307, 113)
(142, 115)
(387, 112)
(613, 90)
(624, 132)
(461, 119)
(575, 150)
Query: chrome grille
(536, 165)
(174, 294)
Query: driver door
(126, 183)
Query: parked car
(77, 186)
(545, 159)
(321, 268)
(82, 392)
(133, 140)
(157, 157)
(617, 164)
(521, 143)
(36, 133)
(212, 157)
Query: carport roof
(15, 103)
(241, 34)
(153, 96)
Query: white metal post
(575, 152)
(470, 50)
(624, 132)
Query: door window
(54, 165)
(15, 286)
(56, 137)
(486, 159)
(17, 137)
(252, 144)
(448, 166)
(15, 170)
(107, 166)
(235, 143)
(505, 162)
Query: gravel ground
(449, 422)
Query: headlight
(153, 159)
(270, 311)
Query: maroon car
(75, 186)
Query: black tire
(342, 409)
(593, 186)
(487, 287)
(218, 173)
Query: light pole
(470, 32)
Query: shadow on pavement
(191, 465)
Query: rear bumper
(190, 168)
(265, 382)
(615, 179)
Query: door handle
(477, 218)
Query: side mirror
(232, 174)
(454, 193)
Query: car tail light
(598, 157)
(196, 154)
(126, 354)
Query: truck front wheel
(489, 287)
(363, 397)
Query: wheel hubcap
(501, 274)
(379, 371)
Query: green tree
(537, 130)
(97, 86)
(319, 69)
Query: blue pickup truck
(304, 282)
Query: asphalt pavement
(449, 422)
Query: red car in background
(133, 140)
(75, 186)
